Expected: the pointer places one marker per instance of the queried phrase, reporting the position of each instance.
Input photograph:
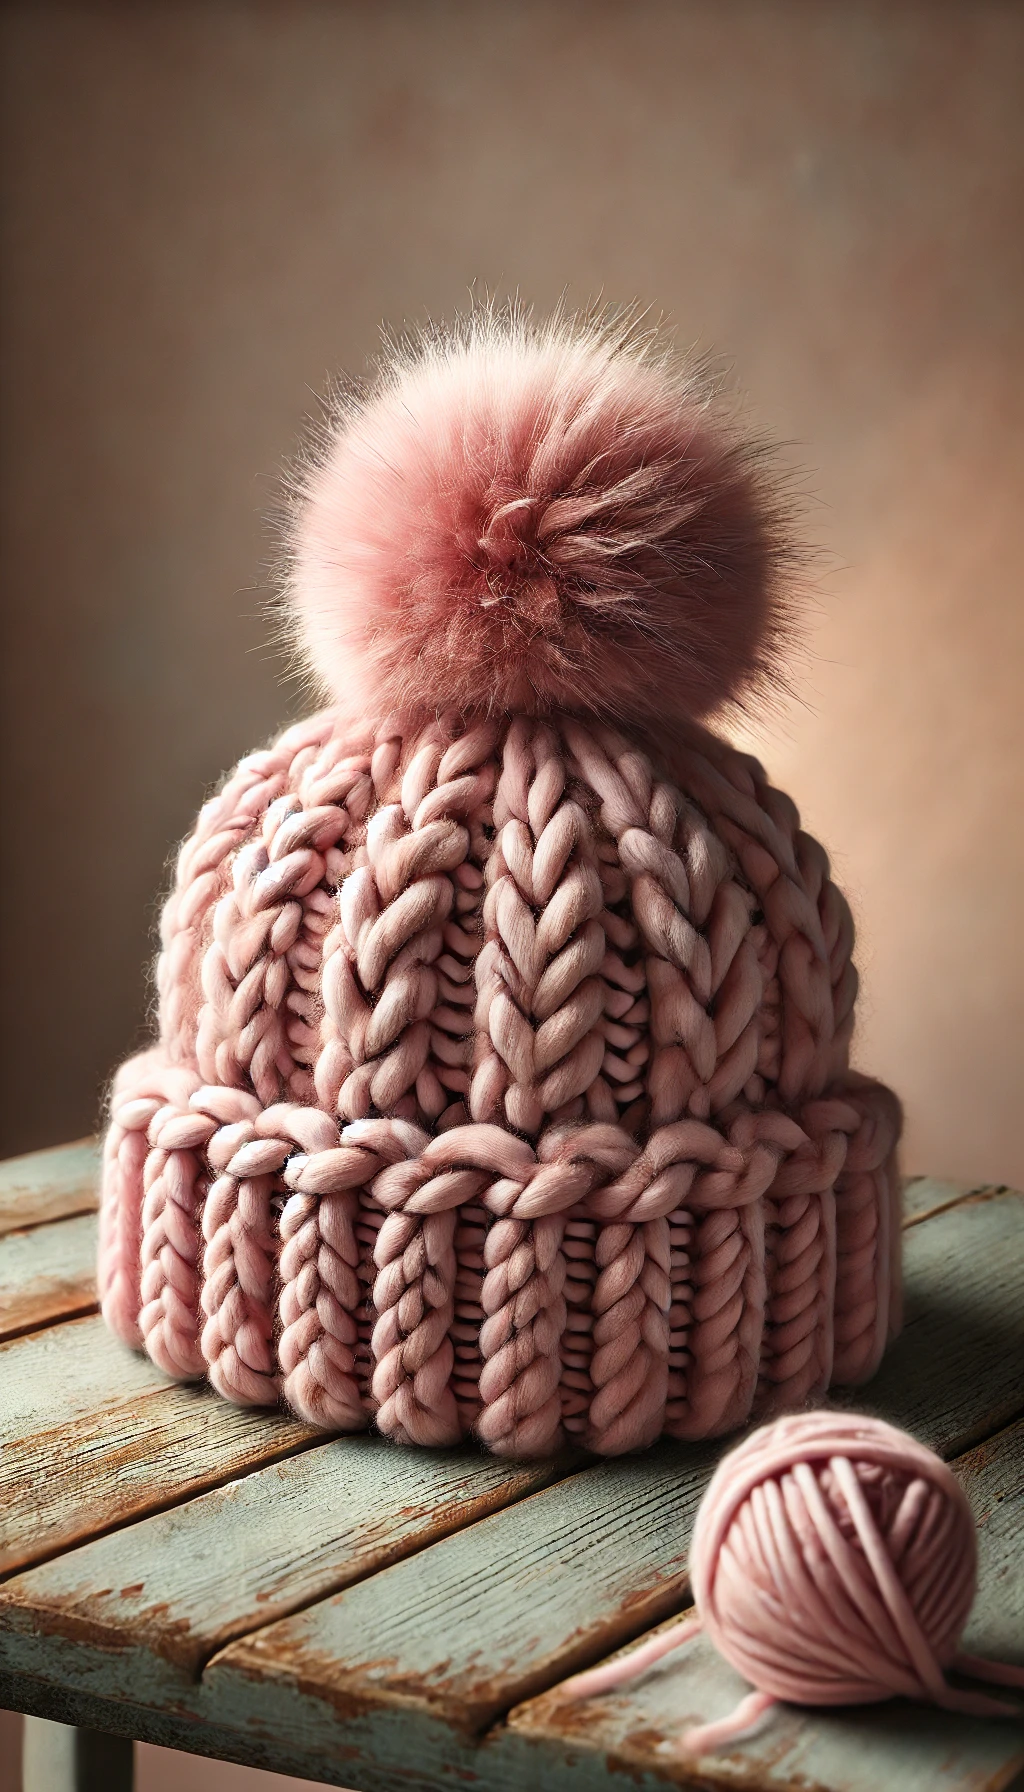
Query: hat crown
(519, 921)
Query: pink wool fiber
(833, 1562)
(525, 517)
(502, 1086)
(501, 1089)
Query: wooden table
(234, 1584)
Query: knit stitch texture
(502, 1083)
(502, 1089)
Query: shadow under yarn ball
(501, 1084)
(833, 1562)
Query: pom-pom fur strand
(530, 517)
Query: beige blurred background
(207, 208)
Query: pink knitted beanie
(502, 1084)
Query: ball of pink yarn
(833, 1562)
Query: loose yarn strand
(613, 1674)
(703, 1739)
(706, 1738)
(816, 1553)
(999, 1673)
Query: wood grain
(134, 1615)
(178, 1730)
(46, 1274)
(924, 1196)
(49, 1185)
(398, 1679)
(956, 1374)
(901, 1746)
(374, 1755)
(993, 1476)
(485, 1618)
(913, 1748)
(92, 1435)
(495, 1613)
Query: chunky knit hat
(502, 1085)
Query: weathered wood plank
(486, 1618)
(924, 1196)
(909, 1747)
(46, 1274)
(899, 1745)
(993, 1477)
(375, 1757)
(92, 1435)
(59, 1374)
(499, 1611)
(49, 1185)
(366, 1718)
(167, 1729)
(956, 1374)
(134, 1615)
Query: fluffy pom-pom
(537, 517)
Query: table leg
(59, 1758)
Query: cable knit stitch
(575, 1154)
(502, 1078)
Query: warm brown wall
(206, 207)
